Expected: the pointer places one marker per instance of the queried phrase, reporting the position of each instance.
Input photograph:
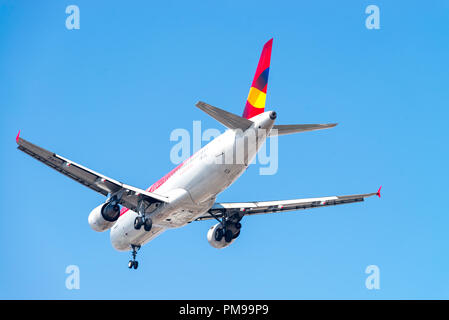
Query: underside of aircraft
(188, 193)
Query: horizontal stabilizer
(229, 120)
(279, 130)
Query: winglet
(378, 192)
(17, 138)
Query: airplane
(188, 193)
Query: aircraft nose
(273, 115)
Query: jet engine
(104, 216)
(220, 238)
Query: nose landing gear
(134, 263)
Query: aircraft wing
(89, 178)
(228, 209)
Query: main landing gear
(230, 226)
(134, 263)
(146, 222)
(229, 232)
(142, 219)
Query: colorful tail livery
(255, 104)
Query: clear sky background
(108, 96)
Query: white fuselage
(193, 186)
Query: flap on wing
(229, 120)
(88, 177)
(279, 130)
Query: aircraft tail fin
(255, 104)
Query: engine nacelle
(103, 217)
(212, 236)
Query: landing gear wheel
(228, 236)
(147, 224)
(138, 222)
(133, 263)
(218, 234)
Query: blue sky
(109, 94)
